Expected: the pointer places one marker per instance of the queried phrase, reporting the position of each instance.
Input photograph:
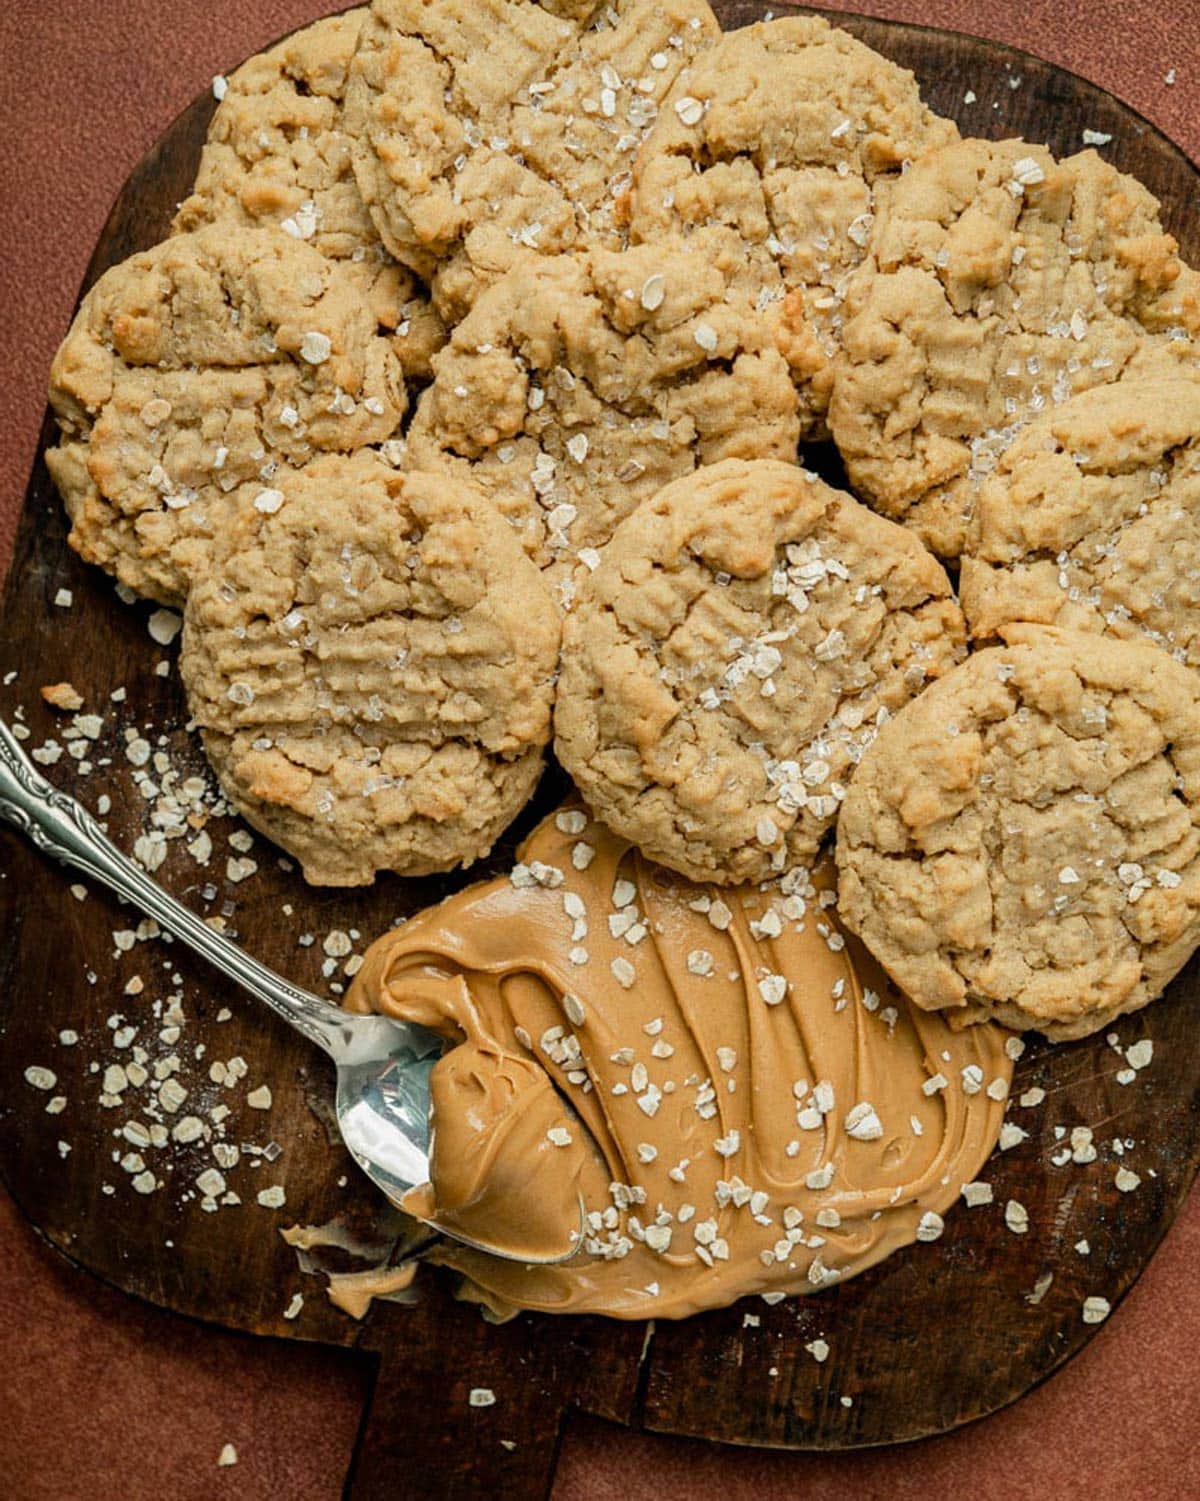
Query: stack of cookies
(464, 410)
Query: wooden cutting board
(935, 1337)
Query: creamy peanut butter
(743, 1100)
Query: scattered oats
(144, 1183)
(260, 1098)
(863, 1124)
(164, 626)
(211, 1183)
(1127, 1181)
(972, 1079)
(719, 915)
(930, 1226)
(292, 1311)
(1140, 1054)
(706, 337)
(623, 972)
(481, 1396)
(272, 1198)
(558, 1136)
(1083, 1247)
(773, 989)
(932, 1085)
(998, 1089)
(1016, 1217)
(819, 1350)
(653, 293)
(691, 111)
(976, 1194)
(1040, 1288)
(268, 501)
(1032, 1097)
(40, 1078)
(64, 599)
(315, 348)
(220, 87)
(1096, 1310)
(1011, 1136)
(700, 962)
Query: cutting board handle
(421, 1435)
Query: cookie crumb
(63, 696)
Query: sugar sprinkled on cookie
(1023, 840)
(277, 153)
(580, 385)
(999, 283)
(371, 663)
(1091, 520)
(201, 368)
(491, 130)
(773, 143)
(727, 664)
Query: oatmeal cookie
(579, 386)
(277, 154)
(371, 662)
(998, 282)
(1091, 520)
(731, 658)
(492, 130)
(1022, 842)
(778, 137)
(197, 369)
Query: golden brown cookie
(578, 386)
(198, 369)
(492, 130)
(727, 664)
(1091, 520)
(777, 137)
(999, 283)
(1022, 841)
(371, 661)
(277, 154)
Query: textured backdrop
(106, 1398)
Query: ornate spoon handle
(61, 827)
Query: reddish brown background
(102, 1397)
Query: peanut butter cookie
(578, 386)
(371, 662)
(198, 368)
(777, 136)
(999, 282)
(491, 130)
(1091, 520)
(1022, 841)
(727, 664)
(277, 154)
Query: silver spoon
(383, 1066)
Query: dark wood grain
(933, 1338)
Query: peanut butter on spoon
(744, 1101)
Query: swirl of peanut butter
(743, 1100)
